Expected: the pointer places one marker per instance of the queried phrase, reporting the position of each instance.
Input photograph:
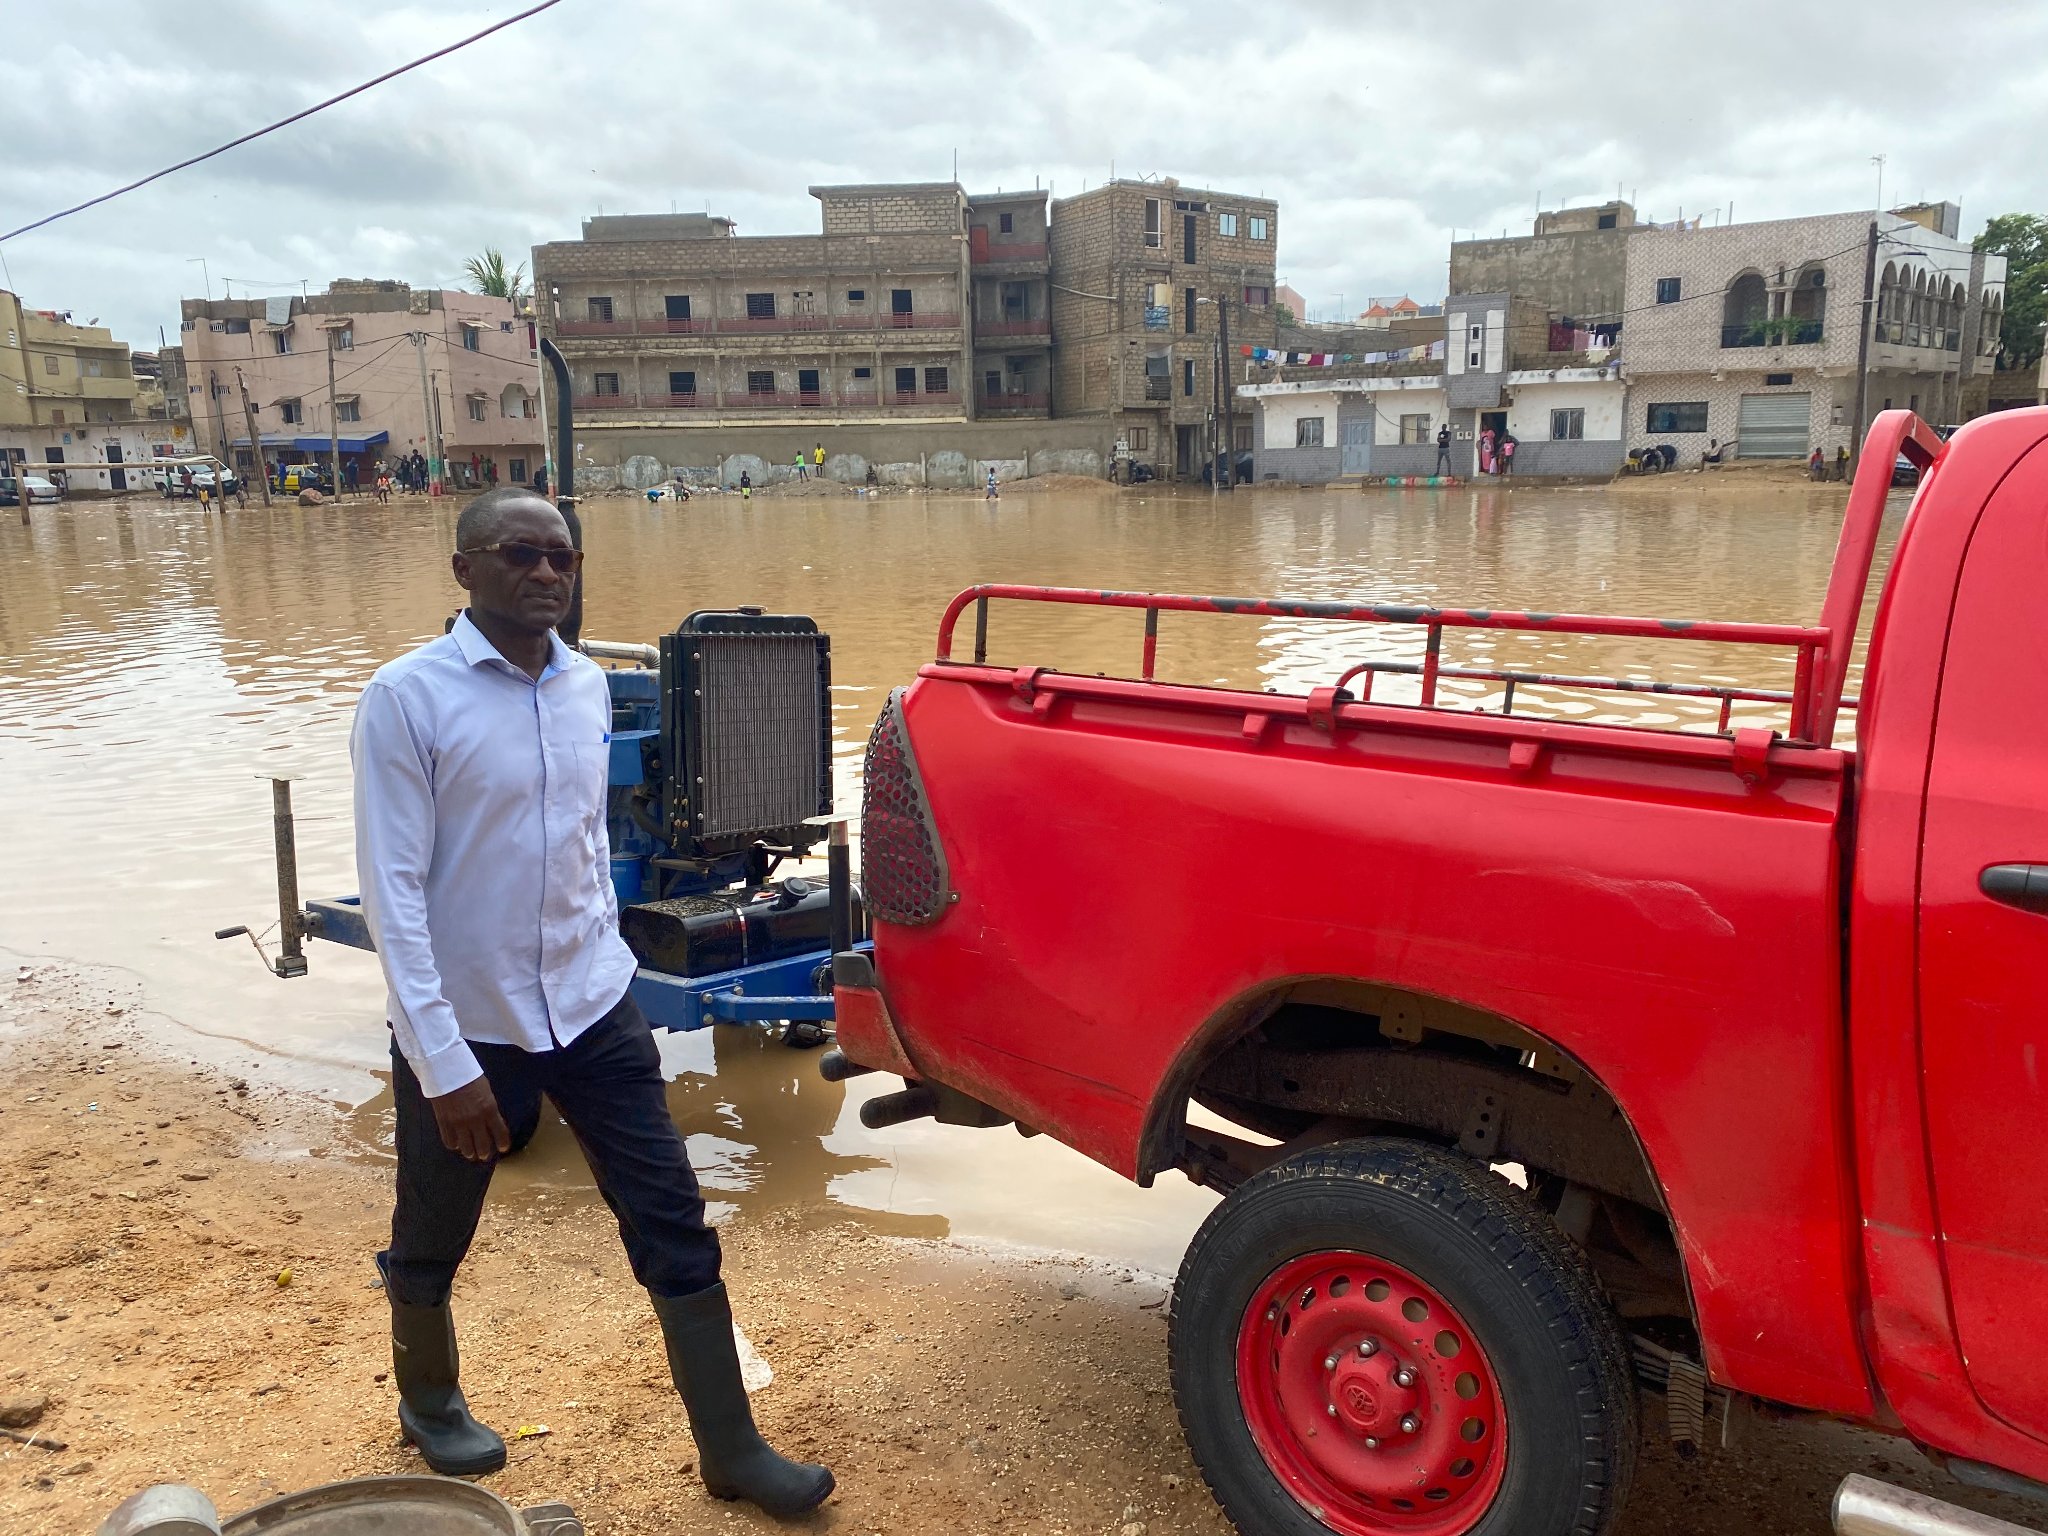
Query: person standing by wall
(1443, 449)
(1508, 445)
(818, 461)
(480, 769)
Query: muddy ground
(185, 1274)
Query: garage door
(1773, 427)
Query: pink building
(480, 383)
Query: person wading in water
(481, 762)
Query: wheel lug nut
(1404, 1377)
(1371, 1443)
(1330, 1364)
(1409, 1423)
(1333, 1410)
(1367, 1348)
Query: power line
(284, 122)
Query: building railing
(1908, 333)
(1158, 388)
(757, 325)
(924, 397)
(676, 402)
(612, 402)
(1771, 333)
(998, 252)
(1015, 400)
(783, 399)
(1042, 326)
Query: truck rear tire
(1381, 1338)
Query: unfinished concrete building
(675, 319)
(1145, 276)
(1010, 259)
(1573, 268)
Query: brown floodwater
(157, 664)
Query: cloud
(1381, 130)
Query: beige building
(1146, 275)
(69, 401)
(478, 393)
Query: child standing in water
(992, 494)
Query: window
(476, 407)
(1259, 227)
(1006, 223)
(53, 455)
(1688, 416)
(290, 413)
(1667, 290)
(899, 301)
(1187, 376)
(92, 368)
(600, 309)
(1913, 402)
(1187, 238)
(244, 459)
(1568, 426)
(1141, 438)
(237, 327)
(1152, 222)
(348, 410)
(57, 420)
(345, 338)
(676, 306)
(1605, 221)
(517, 470)
(1187, 310)
(49, 363)
(1257, 298)
(604, 383)
(807, 381)
(1773, 379)
(283, 339)
(760, 306)
(760, 381)
(1415, 429)
(1308, 432)
(1241, 436)
(906, 381)
(856, 295)
(682, 381)
(472, 338)
(935, 381)
(863, 373)
(1226, 224)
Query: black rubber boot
(735, 1461)
(431, 1410)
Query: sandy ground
(185, 1273)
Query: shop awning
(358, 443)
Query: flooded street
(156, 664)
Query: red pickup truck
(1574, 1057)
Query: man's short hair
(478, 523)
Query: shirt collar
(476, 647)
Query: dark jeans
(608, 1086)
(1443, 461)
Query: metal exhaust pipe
(1865, 1507)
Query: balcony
(676, 402)
(928, 397)
(758, 325)
(1906, 333)
(605, 402)
(1016, 403)
(1771, 333)
(1042, 326)
(997, 253)
(764, 400)
(1158, 388)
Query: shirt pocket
(591, 778)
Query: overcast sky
(1380, 128)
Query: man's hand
(470, 1122)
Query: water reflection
(156, 662)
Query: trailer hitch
(293, 923)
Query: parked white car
(39, 489)
(209, 474)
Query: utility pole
(1228, 478)
(333, 420)
(1863, 346)
(255, 442)
(427, 414)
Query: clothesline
(1273, 357)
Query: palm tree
(490, 276)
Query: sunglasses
(524, 557)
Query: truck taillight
(903, 866)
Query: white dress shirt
(481, 848)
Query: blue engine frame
(792, 988)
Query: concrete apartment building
(1009, 257)
(1574, 266)
(676, 321)
(479, 392)
(1143, 273)
(1751, 334)
(70, 401)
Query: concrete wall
(943, 455)
(1274, 419)
(1599, 454)
(1583, 274)
(1831, 408)
(1392, 406)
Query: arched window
(1744, 308)
(1807, 304)
(515, 402)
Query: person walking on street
(351, 472)
(993, 494)
(1443, 449)
(383, 485)
(480, 841)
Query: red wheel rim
(1370, 1398)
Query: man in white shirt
(481, 769)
